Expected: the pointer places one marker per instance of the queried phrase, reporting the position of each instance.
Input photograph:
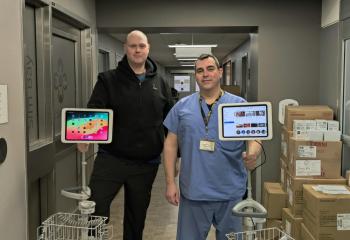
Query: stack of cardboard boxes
(310, 154)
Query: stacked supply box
(305, 233)
(306, 158)
(321, 159)
(274, 200)
(327, 212)
(306, 113)
(295, 200)
(291, 224)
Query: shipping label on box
(343, 222)
(332, 136)
(307, 168)
(332, 125)
(307, 151)
(299, 134)
(321, 125)
(299, 125)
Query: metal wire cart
(69, 226)
(72, 226)
(263, 234)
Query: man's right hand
(172, 194)
(83, 147)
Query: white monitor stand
(246, 121)
(85, 125)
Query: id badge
(207, 145)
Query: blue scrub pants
(196, 217)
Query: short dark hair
(205, 56)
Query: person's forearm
(170, 156)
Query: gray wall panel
(329, 67)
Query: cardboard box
(327, 216)
(285, 136)
(310, 112)
(295, 200)
(305, 233)
(291, 223)
(283, 175)
(274, 200)
(314, 158)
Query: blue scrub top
(206, 176)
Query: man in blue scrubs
(213, 173)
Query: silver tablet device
(86, 125)
(245, 121)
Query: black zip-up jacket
(139, 109)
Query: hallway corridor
(161, 218)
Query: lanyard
(207, 118)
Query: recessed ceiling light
(192, 46)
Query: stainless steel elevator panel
(63, 77)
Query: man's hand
(172, 194)
(249, 160)
(83, 147)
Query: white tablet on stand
(245, 121)
(85, 125)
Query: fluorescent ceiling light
(187, 59)
(187, 65)
(192, 46)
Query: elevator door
(53, 80)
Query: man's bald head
(137, 34)
(136, 49)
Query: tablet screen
(86, 125)
(245, 121)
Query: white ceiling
(165, 55)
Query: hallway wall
(13, 203)
(13, 185)
(288, 43)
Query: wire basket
(70, 226)
(263, 234)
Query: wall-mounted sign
(182, 83)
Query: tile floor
(161, 217)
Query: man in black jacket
(140, 100)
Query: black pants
(109, 175)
